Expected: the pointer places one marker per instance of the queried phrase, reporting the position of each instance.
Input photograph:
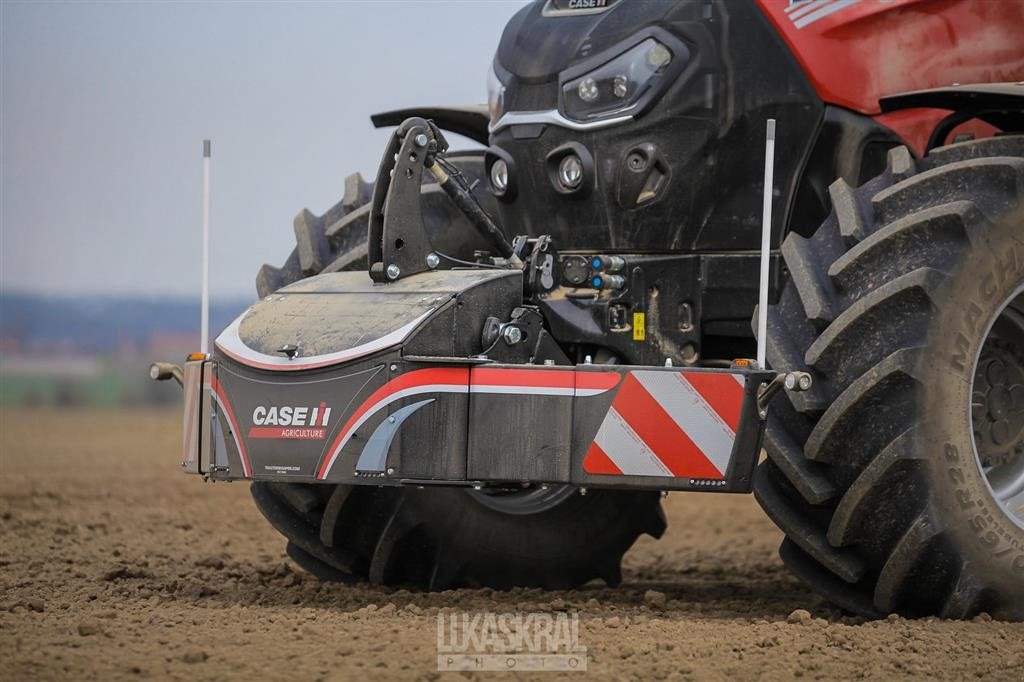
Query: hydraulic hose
(466, 203)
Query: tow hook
(162, 371)
(796, 382)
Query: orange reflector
(742, 362)
(197, 356)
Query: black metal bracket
(398, 244)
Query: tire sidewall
(989, 542)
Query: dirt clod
(88, 629)
(799, 616)
(655, 598)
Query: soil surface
(113, 565)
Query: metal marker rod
(204, 314)
(766, 236)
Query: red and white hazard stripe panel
(673, 424)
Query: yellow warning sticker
(639, 333)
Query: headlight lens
(570, 172)
(617, 86)
(587, 90)
(499, 176)
(495, 95)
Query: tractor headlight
(499, 176)
(570, 172)
(624, 84)
(495, 95)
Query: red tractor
(485, 367)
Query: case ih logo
(301, 423)
(557, 7)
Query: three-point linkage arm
(398, 243)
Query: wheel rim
(997, 407)
(531, 500)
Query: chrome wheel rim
(997, 407)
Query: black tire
(872, 474)
(438, 538)
(442, 538)
(332, 242)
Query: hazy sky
(105, 105)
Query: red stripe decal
(218, 389)
(452, 376)
(598, 462)
(530, 378)
(722, 392)
(565, 378)
(661, 433)
(597, 381)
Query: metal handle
(162, 371)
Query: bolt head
(391, 471)
(420, 140)
(805, 382)
(512, 335)
(790, 382)
(391, 419)
(393, 271)
(433, 260)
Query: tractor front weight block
(395, 388)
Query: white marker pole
(766, 237)
(204, 314)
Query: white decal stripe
(823, 12)
(234, 434)
(624, 447)
(231, 343)
(688, 409)
(384, 402)
(587, 392)
(797, 11)
(519, 390)
(740, 379)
